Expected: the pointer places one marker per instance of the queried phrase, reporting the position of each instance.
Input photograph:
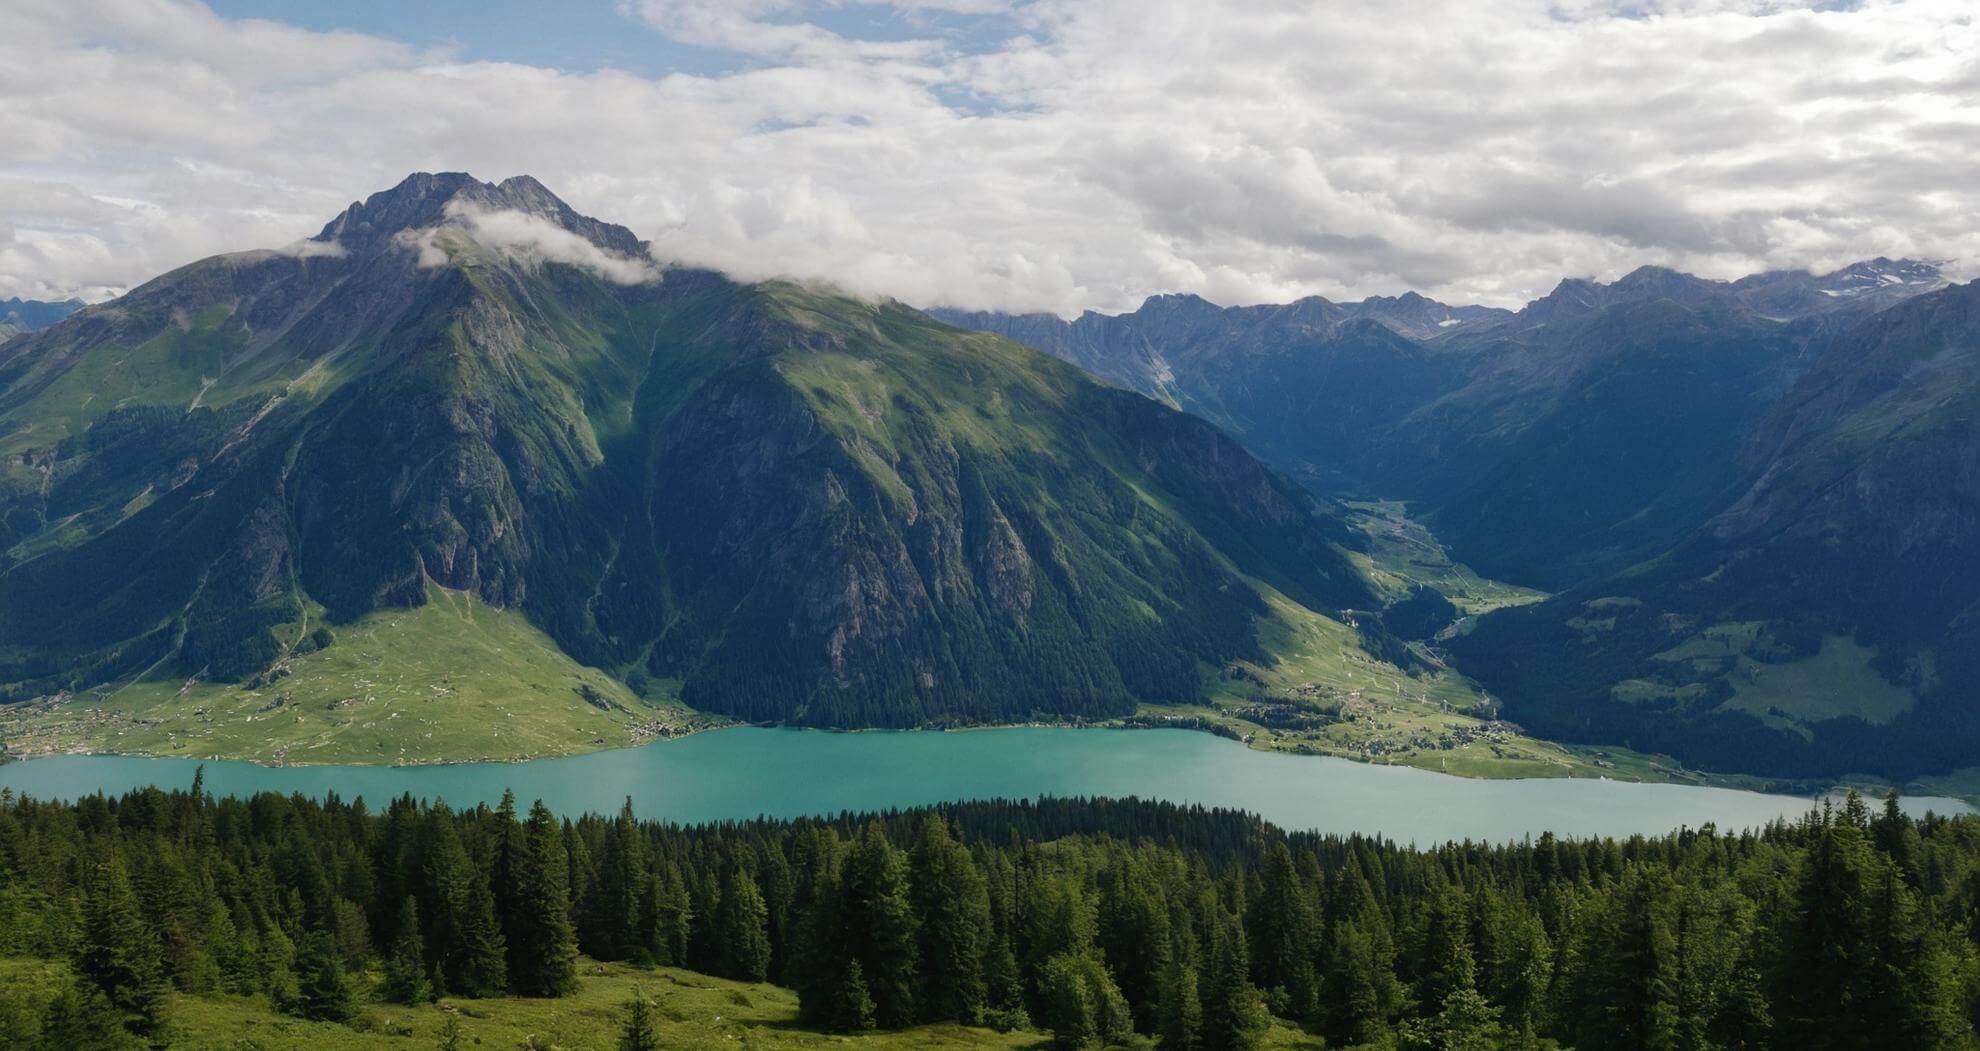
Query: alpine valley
(1753, 503)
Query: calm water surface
(745, 772)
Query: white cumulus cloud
(1079, 154)
(530, 240)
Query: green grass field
(454, 680)
(691, 1011)
(1435, 720)
(1402, 554)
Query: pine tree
(451, 1037)
(1626, 995)
(542, 955)
(852, 1005)
(637, 1034)
(953, 909)
(1285, 930)
(322, 992)
(744, 928)
(1465, 1021)
(1182, 1009)
(81, 1019)
(874, 924)
(118, 953)
(505, 871)
(1080, 1003)
(406, 977)
(1360, 993)
(1234, 1015)
(1134, 937)
(1829, 944)
(1448, 965)
(673, 915)
(464, 935)
(613, 905)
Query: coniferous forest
(1091, 922)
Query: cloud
(525, 239)
(1053, 154)
(309, 248)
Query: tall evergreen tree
(406, 979)
(1234, 1015)
(744, 928)
(953, 907)
(1285, 934)
(874, 924)
(464, 938)
(638, 1032)
(613, 927)
(323, 992)
(80, 1018)
(542, 954)
(117, 952)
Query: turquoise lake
(746, 772)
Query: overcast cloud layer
(1052, 155)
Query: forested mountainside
(1831, 601)
(1755, 497)
(27, 315)
(1097, 922)
(776, 502)
(1572, 438)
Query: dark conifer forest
(1092, 922)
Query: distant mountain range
(1757, 498)
(29, 315)
(773, 502)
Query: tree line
(1099, 922)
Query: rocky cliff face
(793, 505)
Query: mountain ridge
(769, 501)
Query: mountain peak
(426, 199)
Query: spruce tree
(117, 952)
(1182, 1008)
(637, 1034)
(1134, 937)
(852, 1004)
(1448, 965)
(874, 923)
(1234, 1015)
(323, 994)
(505, 870)
(744, 928)
(1828, 943)
(81, 1019)
(1285, 930)
(953, 910)
(542, 953)
(464, 935)
(406, 978)
(612, 909)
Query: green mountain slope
(769, 501)
(1826, 619)
(1550, 446)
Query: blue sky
(582, 36)
(576, 36)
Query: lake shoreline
(1811, 789)
(753, 772)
